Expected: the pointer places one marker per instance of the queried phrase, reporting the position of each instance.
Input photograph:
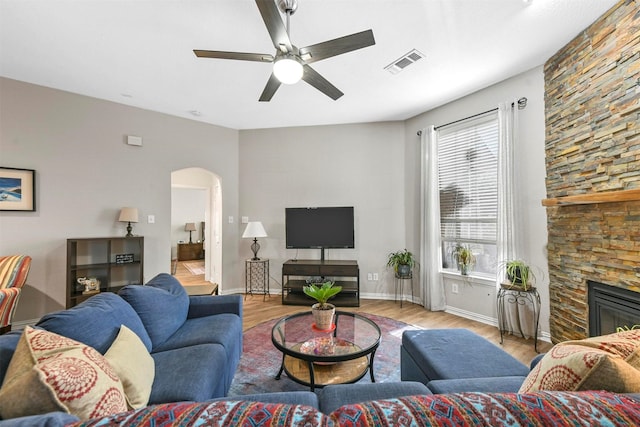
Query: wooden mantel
(591, 198)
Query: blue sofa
(195, 341)
(196, 347)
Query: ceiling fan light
(288, 70)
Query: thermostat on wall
(134, 140)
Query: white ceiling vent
(403, 62)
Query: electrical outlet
(369, 276)
(375, 277)
(454, 288)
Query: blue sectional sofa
(195, 341)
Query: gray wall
(357, 165)
(85, 172)
(187, 205)
(530, 183)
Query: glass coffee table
(317, 358)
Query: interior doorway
(198, 190)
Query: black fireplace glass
(611, 308)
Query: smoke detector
(404, 61)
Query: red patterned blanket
(463, 409)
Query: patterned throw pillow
(49, 372)
(625, 344)
(610, 362)
(219, 413)
(130, 359)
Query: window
(468, 186)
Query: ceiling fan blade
(275, 26)
(259, 57)
(312, 77)
(337, 46)
(270, 89)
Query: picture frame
(17, 189)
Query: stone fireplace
(592, 144)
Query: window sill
(485, 280)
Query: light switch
(230, 220)
(151, 219)
(245, 219)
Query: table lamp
(128, 215)
(253, 231)
(190, 227)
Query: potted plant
(323, 311)
(519, 274)
(402, 262)
(464, 258)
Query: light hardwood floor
(256, 311)
(193, 283)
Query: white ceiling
(139, 53)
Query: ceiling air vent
(403, 62)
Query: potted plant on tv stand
(323, 311)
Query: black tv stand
(348, 270)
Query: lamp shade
(190, 226)
(254, 229)
(288, 70)
(128, 215)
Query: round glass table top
(351, 336)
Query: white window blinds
(468, 183)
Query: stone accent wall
(592, 104)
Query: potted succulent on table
(323, 311)
(464, 258)
(402, 262)
(519, 274)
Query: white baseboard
(472, 316)
(542, 335)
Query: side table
(189, 251)
(256, 279)
(520, 297)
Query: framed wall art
(17, 189)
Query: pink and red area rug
(261, 361)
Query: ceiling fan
(290, 63)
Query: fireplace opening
(611, 308)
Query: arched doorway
(203, 190)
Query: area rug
(195, 267)
(261, 361)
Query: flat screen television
(319, 228)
